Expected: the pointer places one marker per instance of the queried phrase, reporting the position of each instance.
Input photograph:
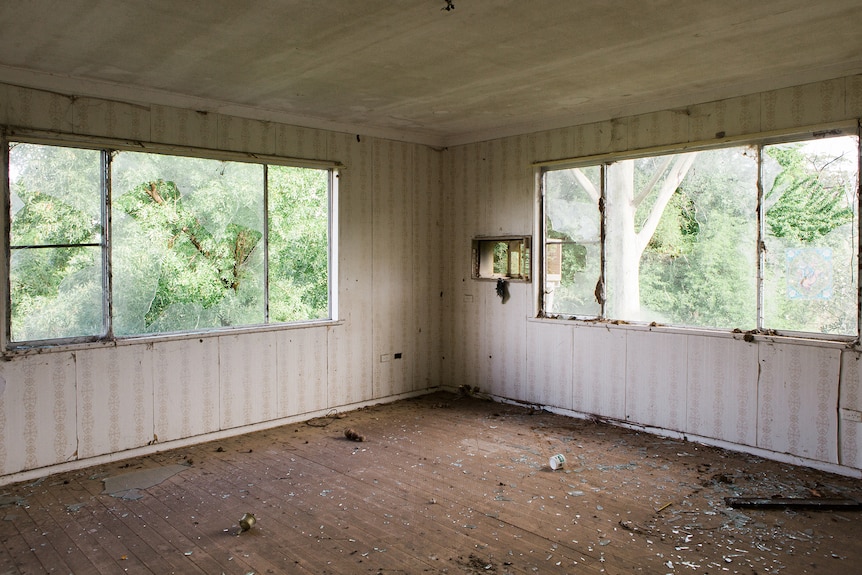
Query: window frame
(759, 141)
(107, 148)
(482, 257)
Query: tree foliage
(198, 267)
(810, 239)
(806, 205)
(299, 244)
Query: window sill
(161, 338)
(828, 341)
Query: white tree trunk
(625, 244)
(622, 258)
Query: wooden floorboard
(442, 484)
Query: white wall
(775, 396)
(65, 406)
(407, 214)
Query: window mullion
(601, 291)
(761, 246)
(856, 230)
(107, 275)
(266, 243)
(7, 252)
(332, 242)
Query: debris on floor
(247, 521)
(129, 485)
(352, 435)
(465, 490)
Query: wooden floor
(441, 484)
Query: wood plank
(443, 483)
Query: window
(56, 240)
(187, 244)
(685, 244)
(572, 241)
(506, 257)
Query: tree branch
(243, 247)
(680, 168)
(586, 184)
(651, 184)
(578, 176)
(153, 192)
(195, 242)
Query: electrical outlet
(851, 415)
(385, 357)
(397, 355)
(468, 297)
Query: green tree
(699, 267)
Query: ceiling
(413, 70)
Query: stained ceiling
(414, 70)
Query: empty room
(439, 286)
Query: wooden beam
(782, 502)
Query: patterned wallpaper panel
(503, 366)
(725, 118)
(186, 388)
(247, 378)
(850, 440)
(39, 110)
(428, 270)
(350, 352)
(797, 400)
(115, 391)
(392, 266)
(599, 372)
(722, 389)
(549, 381)
(463, 297)
(37, 411)
(656, 377)
(301, 371)
(178, 126)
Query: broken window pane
(187, 247)
(572, 241)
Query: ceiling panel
(414, 71)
